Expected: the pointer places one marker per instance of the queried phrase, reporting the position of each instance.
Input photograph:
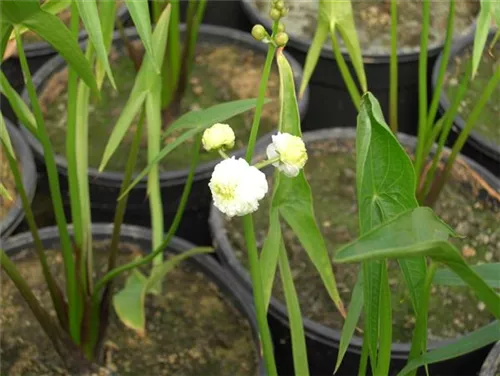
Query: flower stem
(261, 97)
(258, 293)
(223, 154)
(393, 88)
(260, 165)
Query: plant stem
(258, 293)
(393, 89)
(261, 97)
(223, 154)
(471, 122)
(346, 74)
(99, 316)
(74, 299)
(422, 88)
(171, 232)
(442, 67)
(55, 291)
(266, 163)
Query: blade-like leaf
(299, 349)
(139, 11)
(129, 302)
(4, 137)
(466, 344)
(16, 12)
(313, 53)
(107, 10)
(53, 30)
(270, 254)
(90, 18)
(144, 81)
(481, 34)
(489, 272)
(4, 193)
(195, 122)
(293, 195)
(20, 108)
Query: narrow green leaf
(144, 81)
(466, 344)
(299, 348)
(481, 34)
(270, 254)
(4, 193)
(313, 53)
(159, 273)
(293, 196)
(172, 63)
(372, 274)
(49, 6)
(4, 136)
(90, 17)
(21, 109)
(353, 314)
(139, 11)
(129, 302)
(16, 12)
(384, 358)
(489, 272)
(5, 33)
(107, 12)
(53, 30)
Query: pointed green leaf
(53, 30)
(4, 136)
(139, 11)
(353, 314)
(466, 344)
(21, 109)
(49, 6)
(144, 82)
(299, 348)
(129, 302)
(90, 18)
(481, 34)
(4, 193)
(293, 196)
(313, 53)
(5, 33)
(16, 12)
(107, 12)
(489, 272)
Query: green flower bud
(283, 12)
(281, 27)
(281, 39)
(280, 4)
(258, 32)
(275, 14)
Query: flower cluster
(236, 186)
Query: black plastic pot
(323, 342)
(482, 150)
(28, 171)
(37, 54)
(331, 104)
(141, 237)
(105, 186)
(491, 366)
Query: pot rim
(203, 171)
(29, 177)
(479, 142)
(211, 269)
(303, 44)
(314, 330)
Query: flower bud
(291, 152)
(283, 12)
(280, 4)
(218, 136)
(275, 14)
(258, 32)
(281, 39)
(281, 27)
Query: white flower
(291, 152)
(218, 136)
(237, 187)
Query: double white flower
(238, 187)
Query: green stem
(170, 234)
(223, 154)
(393, 89)
(346, 74)
(261, 97)
(266, 163)
(55, 291)
(419, 340)
(442, 67)
(74, 299)
(422, 87)
(471, 122)
(99, 316)
(258, 293)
